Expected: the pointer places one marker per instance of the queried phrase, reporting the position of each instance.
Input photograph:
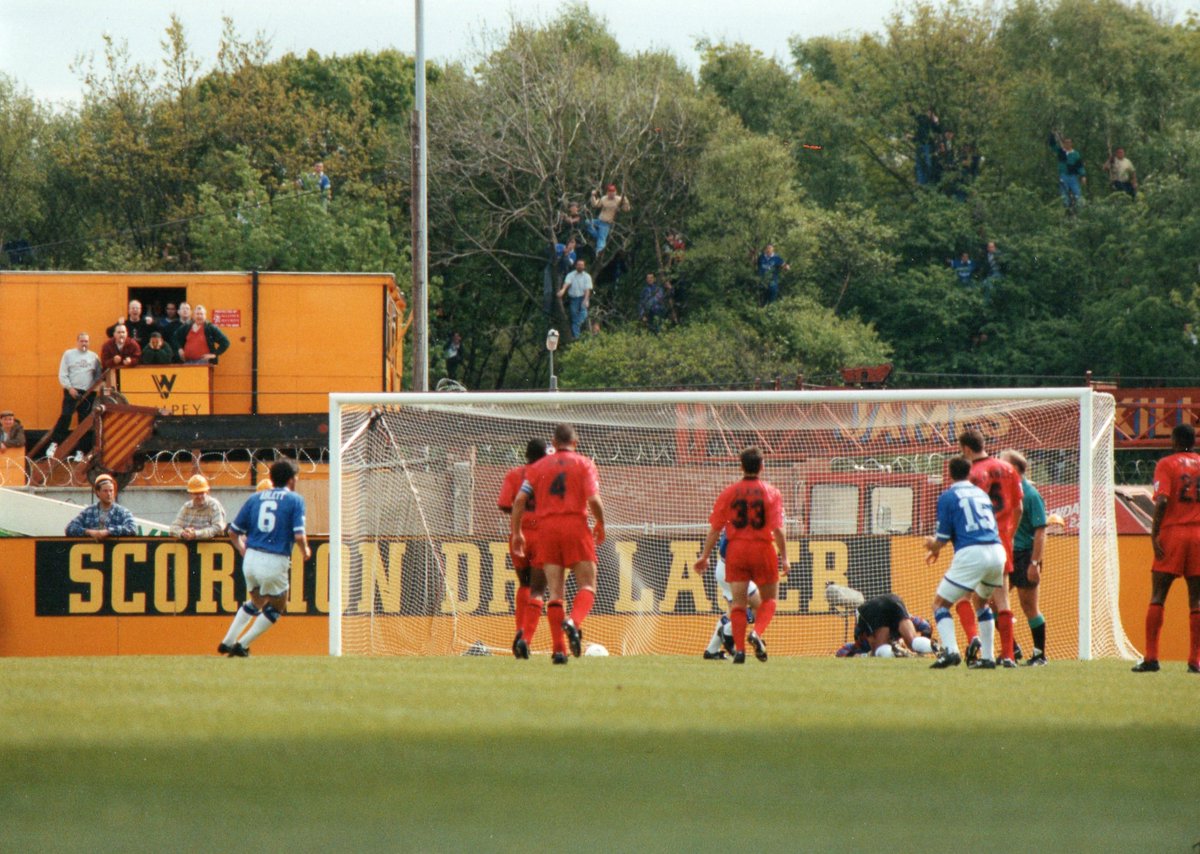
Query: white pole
(335, 528)
(420, 205)
(1086, 452)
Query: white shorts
(267, 571)
(719, 574)
(978, 568)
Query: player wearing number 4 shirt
(965, 518)
(263, 532)
(751, 514)
(1175, 537)
(562, 487)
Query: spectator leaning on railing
(203, 517)
(106, 518)
(12, 434)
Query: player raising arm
(263, 532)
(562, 487)
(965, 518)
(751, 513)
(513, 480)
(1175, 536)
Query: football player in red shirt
(1002, 483)
(751, 513)
(1175, 536)
(534, 451)
(562, 487)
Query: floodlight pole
(551, 346)
(420, 226)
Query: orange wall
(23, 633)
(318, 333)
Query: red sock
(520, 601)
(582, 606)
(554, 615)
(966, 616)
(1194, 647)
(1154, 621)
(1004, 624)
(737, 616)
(533, 615)
(763, 616)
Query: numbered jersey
(508, 494)
(271, 520)
(1177, 478)
(1002, 483)
(560, 484)
(965, 516)
(750, 509)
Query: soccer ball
(595, 649)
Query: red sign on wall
(227, 318)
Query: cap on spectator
(156, 334)
(102, 479)
(264, 484)
(4, 413)
(197, 483)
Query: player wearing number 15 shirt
(750, 512)
(965, 517)
(264, 531)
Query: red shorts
(564, 541)
(1181, 545)
(751, 560)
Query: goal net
(419, 550)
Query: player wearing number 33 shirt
(751, 514)
(263, 531)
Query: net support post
(1086, 454)
(335, 527)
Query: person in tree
(768, 265)
(926, 136)
(1072, 176)
(600, 228)
(1121, 174)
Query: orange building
(294, 337)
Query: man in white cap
(203, 517)
(106, 518)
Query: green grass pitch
(606, 754)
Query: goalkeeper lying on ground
(885, 629)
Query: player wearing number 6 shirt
(263, 531)
(1175, 537)
(965, 518)
(562, 487)
(534, 451)
(751, 514)
(1002, 483)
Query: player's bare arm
(1034, 573)
(516, 538)
(781, 545)
(597, 508)
(302, 542)
(933, 547)
(710, 542)
(1160, 510)
(239, 541)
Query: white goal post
(418, 549)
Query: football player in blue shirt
(966, 518)
(263, 532)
